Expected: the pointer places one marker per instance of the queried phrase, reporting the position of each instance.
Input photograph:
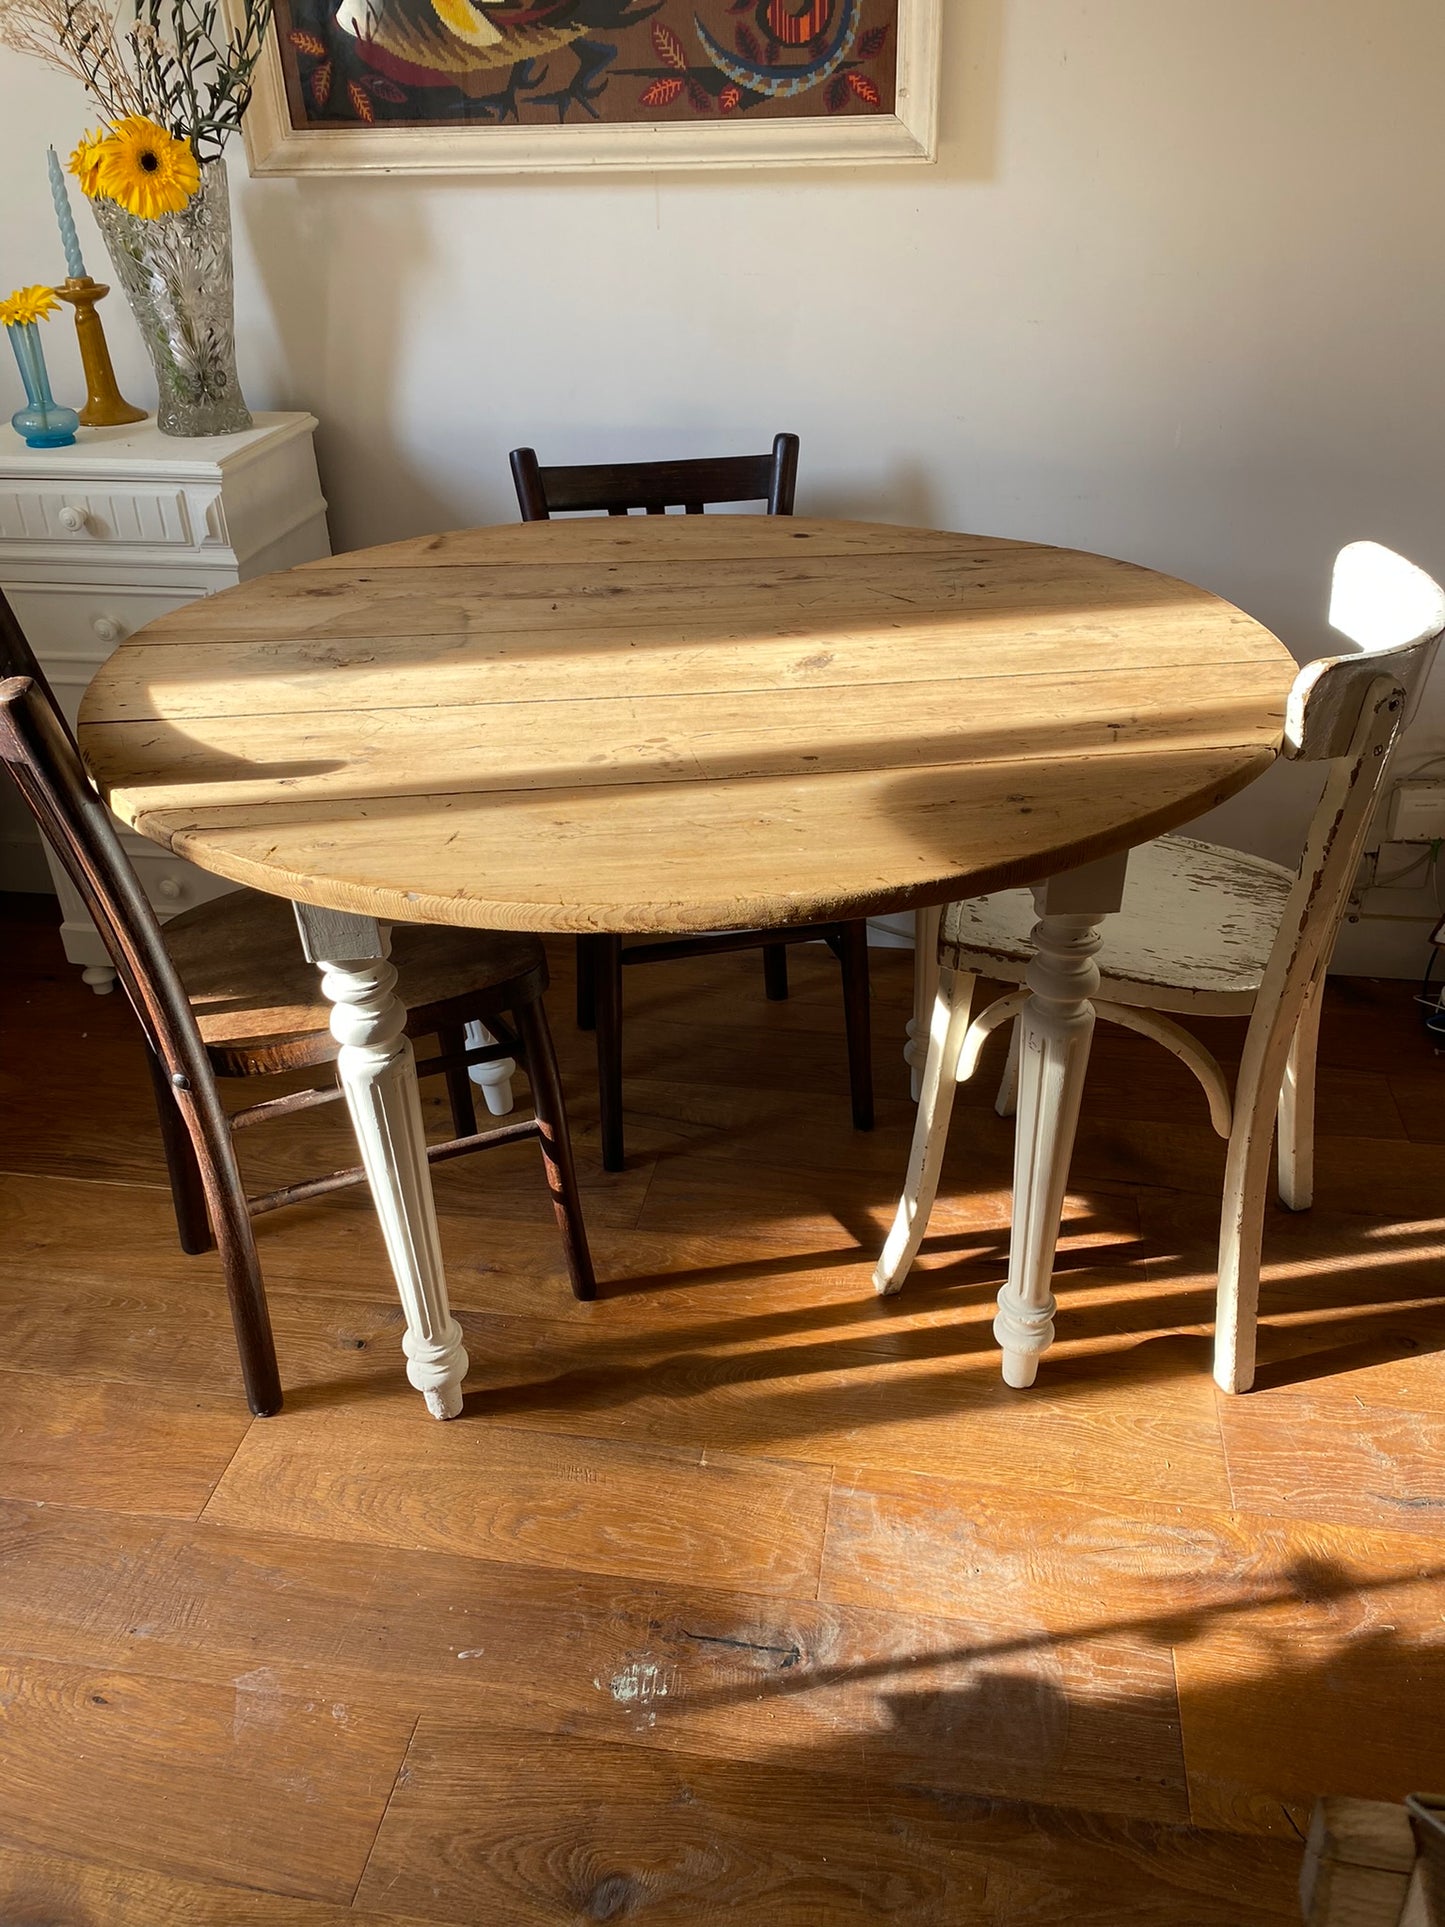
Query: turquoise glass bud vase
(42, 422)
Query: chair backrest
(1392, 614)
(38, 749)
(620, 487)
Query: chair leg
(586, 984)
(607, 963)
(1297, 1107)
(215, 1155)
(775, 972)
(453, 1040)
(495, 1079)
(925, 990)
(188, 1193)
(551, 1111)
(946, 1034)
(858, 1018)
(1241, 1239)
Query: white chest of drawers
(97, 539)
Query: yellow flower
(148, 171)
(85, 161)
(28, 304)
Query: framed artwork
(512, 86)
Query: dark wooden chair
(225, 992)
(654, 487)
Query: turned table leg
(378, 1075)
(1055, 1027)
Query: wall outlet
(1417, 813)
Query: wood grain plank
(585, 1832)
(951, 1702)
(1279, 1715)
(502, 747)
(593, 1505)
(1343, 1460)
(508, 545)
(199, 676)
(87, 1443)
(1083, 1568)
(295, 1789)
(55, 1890)
(916, 836)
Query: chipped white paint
(1193, 932)
(473, 1652)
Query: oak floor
(739, 1594)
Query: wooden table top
(679, 724)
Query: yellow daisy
(148, 171)
(85, 161)
(28, 304)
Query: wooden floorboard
(530, 1496)
(56, 1890)
(739, 1593)
(572, 1832)
(92, 1757)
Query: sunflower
(148, 171)
(28, 304)
(85, 161)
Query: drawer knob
(74, 519)
(107, 628)
(169, 889)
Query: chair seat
(258, 1002)
(1194, 932)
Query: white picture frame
(910, 133)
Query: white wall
(1174, 292)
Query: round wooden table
(665, 724)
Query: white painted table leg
(1007, 1101)
(495, 1078)
(1055, 1027)
(925, 990)
(378, 1075)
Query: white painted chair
(1201, 929)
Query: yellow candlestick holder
(105, 406)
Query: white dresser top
(137, 448)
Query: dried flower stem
(173, 61)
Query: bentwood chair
(654, 487)
(1212, 931)
(225, 992)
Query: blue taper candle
(74, 266)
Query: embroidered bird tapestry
(492, 62)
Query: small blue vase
(42, 422)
